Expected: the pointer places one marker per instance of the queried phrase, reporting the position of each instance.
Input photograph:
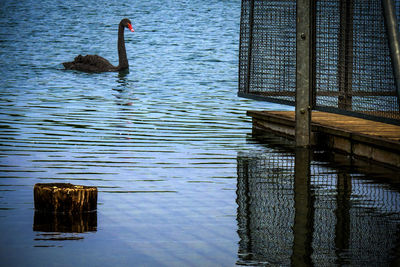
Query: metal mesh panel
(397, 3)
(267, 57)
(353, 221)
(353, 69)
(353, 64)
(244, 45)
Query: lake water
(181, 180)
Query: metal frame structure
(322, 55)
(392, 27)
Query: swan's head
(127, 24)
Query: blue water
(164, 143)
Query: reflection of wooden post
(67, 198)
(304, 211)
(342, 229)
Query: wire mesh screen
(267, 57)
(350, 220)
(353, 64)
(352, 67)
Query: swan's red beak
(130, 27)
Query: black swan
(95, 63)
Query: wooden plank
(369, 139)
(341, 122)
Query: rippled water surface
(168, 144)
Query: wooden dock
(358, 137)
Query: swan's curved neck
(123, 59)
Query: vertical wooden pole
(304, 71)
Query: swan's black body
(94, 63)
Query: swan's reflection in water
(295, 211)
(61, 227)
(123, 90)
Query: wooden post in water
(65, 198)
(304, 71)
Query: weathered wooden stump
(65, 198)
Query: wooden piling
(65, 198)
(304, 71)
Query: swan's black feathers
(92, 63)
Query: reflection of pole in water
(342, 212)
(304, 210)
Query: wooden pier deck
(359, 137)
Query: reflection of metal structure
(352, 60)
(294, 212)
(265, 223)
